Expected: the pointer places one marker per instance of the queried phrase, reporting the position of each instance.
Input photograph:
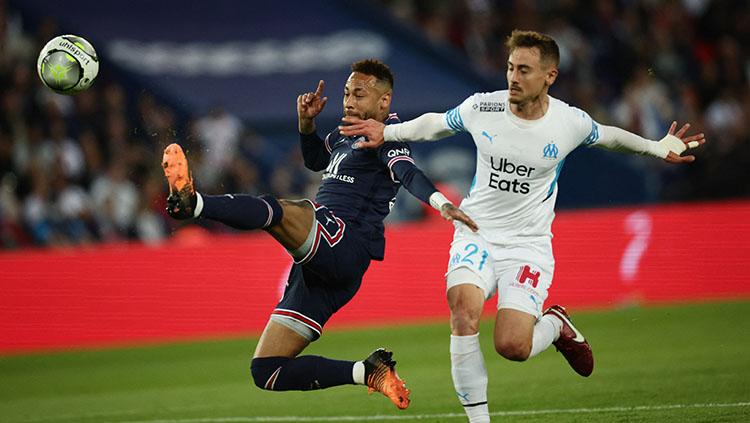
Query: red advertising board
(199, 285)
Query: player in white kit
(522, 136)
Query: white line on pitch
(258, 419)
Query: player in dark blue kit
(332, 240)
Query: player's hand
(451, 213)
(310, 105)
(682, 143)
(371, 129)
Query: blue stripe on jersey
(449, 119)
(554, 181)
(593, 135)
(453, 118)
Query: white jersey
(512, 197)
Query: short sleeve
(586, 128)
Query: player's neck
(533, 109)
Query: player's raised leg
(520, 336)
(286, 220)
(514, 332)
(468, 370)
(521, 330)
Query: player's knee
(296, 212)
(265, 371)
(513, 349)
(464, 321)
(466, 310)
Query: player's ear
(385, 99)
(551, 75)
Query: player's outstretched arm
(669, 148)
(309, 105)
(428, 127)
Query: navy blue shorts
(323, 281)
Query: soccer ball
(68, 64)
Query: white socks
(470, 377)
(358, 373)
(546, 331)
(470, 374)
(198, 205)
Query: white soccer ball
(68, 64)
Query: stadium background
(90, 259)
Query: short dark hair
(376, 68)
(548, 49)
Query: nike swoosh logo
(579, 337)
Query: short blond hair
(548, 50)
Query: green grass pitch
(674, 363)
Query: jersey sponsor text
(505, 166)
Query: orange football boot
(182, 199)
(381, 376)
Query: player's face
(528, 77)
(365, 97)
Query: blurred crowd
(81, 169)
(637, 64)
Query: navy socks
(303, 373)
(242, 211)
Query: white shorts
(520, 273)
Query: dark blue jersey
(360, 185)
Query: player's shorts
(327, 272)
(520, 273)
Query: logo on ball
(68, 64)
